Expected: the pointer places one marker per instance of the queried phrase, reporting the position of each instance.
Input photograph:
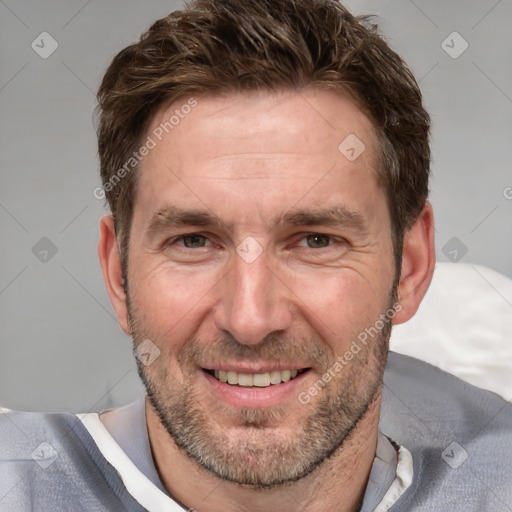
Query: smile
(261, 380)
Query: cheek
(168, 303)
(339, 305)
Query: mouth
(259, 380)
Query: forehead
(267, 147)
(312, 122)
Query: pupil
(318, 240)
(194, 240)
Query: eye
(316, 241)
(192, 241)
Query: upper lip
(255, 368)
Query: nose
(253, 301)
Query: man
(266, 164)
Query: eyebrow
(338, 216)
(176, 217)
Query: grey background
(60, 345)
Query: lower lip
(254, 397)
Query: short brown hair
(223, 46)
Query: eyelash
(332, 240)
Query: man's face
(236, 265)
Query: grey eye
(318, 241)
(194, 241)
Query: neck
(338, 484)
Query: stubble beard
(263, 451)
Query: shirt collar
(390, 476)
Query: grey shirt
(127, 425)
(453, 453)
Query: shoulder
(460, 437)
(29, 435)
(48, 461)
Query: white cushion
(464, 326)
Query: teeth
(244, 379)
(275, 377)
(261, 380)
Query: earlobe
(110, 262)
(418, 262)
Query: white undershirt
(121, 436)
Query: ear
(418, 263)
(111, 268)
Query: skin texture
(294, 295)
